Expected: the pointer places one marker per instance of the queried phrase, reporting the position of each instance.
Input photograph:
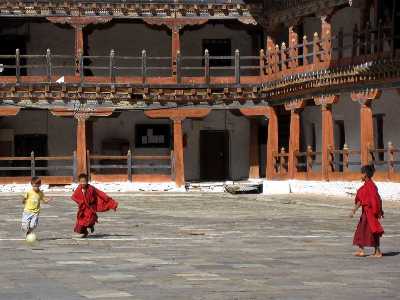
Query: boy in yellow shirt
(31, 201)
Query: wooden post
(177, 116)
(272, 142)
(129, 165)
(254, 170)
(294, 141)
(293, 50)
(78, 28)
(366, 121)
(366, 132)
(176, 46)
(326, 39)
(178, 151)
(328, 141)
(81, 143)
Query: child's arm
(354, 210)
(44, 199)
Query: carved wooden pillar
(177, 116)
(328, 138)
(295, 108)
(81, 143)
(254, 160)
(79, 23)
(175, 25)
(272, 143)
(178, 151)
(366, 121)
(83, 130)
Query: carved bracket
(9, 111)
(326, 100)
(175, 24)
(365, 97)
(79, 22)
(295, 104)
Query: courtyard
(198, 246)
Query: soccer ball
(31, 238)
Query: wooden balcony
(281, 72)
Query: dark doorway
(284, 131)
(214, 154)
(24, 144)
(340, 140)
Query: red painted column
(81, 144)
(328, 139)
(178, 152)
(272, 143)
(366, 132)
(294, 141)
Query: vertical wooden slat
(144, 66)
(262, 63)
(129, 165)
(81, 66)
(178, 67)
(17, 65)
(49, 66)
(207, 66)
(33, 171)
(254, 160)
(237, 66)
(111, 66)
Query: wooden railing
(281, 160)
(128, 164)
(275, 63)
(33, 165)
(387, 158)
(341, 160)
(307, 161)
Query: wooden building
(199, 90)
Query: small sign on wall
(152, 136)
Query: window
(218, 47)
(152, 136)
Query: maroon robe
(89, 203)
(369, 230)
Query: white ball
(31, 238)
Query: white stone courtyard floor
(198, 246)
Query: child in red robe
(90, 201)
(369, 230)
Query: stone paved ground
(193, 246)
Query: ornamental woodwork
(365, 97)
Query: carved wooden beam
(365, 97)
(326, 100)
(177, 114)
(79, 22)
(9, 111)
(175, 24)
(256, 111)
(295, 104)
(84, 114)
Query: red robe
(89, 203)
(369, 228)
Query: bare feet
(377, 255)
(360, 254)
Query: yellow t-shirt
(32, 201)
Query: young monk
(369, 230)
(90, 201)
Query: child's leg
(360, 252)
(377, 252)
